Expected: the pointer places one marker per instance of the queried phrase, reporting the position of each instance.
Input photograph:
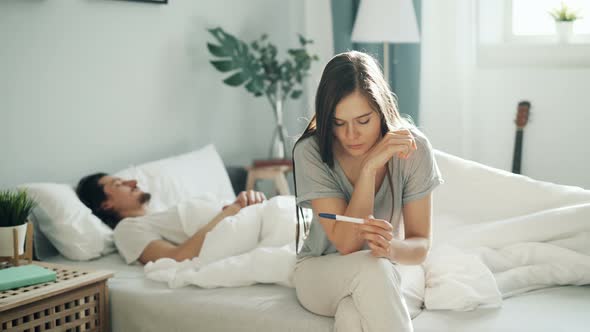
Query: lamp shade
(386, 21)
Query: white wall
(101, 84)
(318, 26)
(555, 146)
(90, 85)
(469, 110)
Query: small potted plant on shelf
(564, 22)
(15, 208)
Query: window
(522, 33)
(531, 17)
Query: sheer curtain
(447, 75)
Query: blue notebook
(26, 275)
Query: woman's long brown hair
(344, 74)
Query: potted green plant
(255, 65)
(15, 208)
(564, 22)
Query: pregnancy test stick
(342, 218)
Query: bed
(140, 304)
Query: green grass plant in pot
(15, 208)
(255, 65)
(564, 18)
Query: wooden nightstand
(76, 301)
(275, 173)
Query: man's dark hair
(92, 194)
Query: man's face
(123, 196)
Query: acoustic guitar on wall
(522, 117)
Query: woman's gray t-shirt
(412, 178)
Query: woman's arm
(344, 235)
(417, 226)
(418, 233)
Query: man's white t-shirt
(132, 235)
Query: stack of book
(26, 275)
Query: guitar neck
(522, 117)
(516, 158)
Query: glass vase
(278, 146)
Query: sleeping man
(177, 233)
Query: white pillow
(176, 179)
(70, 226)
(79, 235)
(476, 193)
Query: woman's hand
(400, 142)
(378, 233)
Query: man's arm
(188, 249)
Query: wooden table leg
(282, 184)
(251, 180)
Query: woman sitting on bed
(144, 237)
(359, 158)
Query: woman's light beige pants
(361, 292)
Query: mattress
(549, 309)
(138, 304)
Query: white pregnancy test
(341, 218)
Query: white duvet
(496, 235)
(487, 262)
(254, 246)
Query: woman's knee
(377, 270)
(308, 292)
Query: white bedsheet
(139, 304)
(550, 309)
(482, 264)
(501, 259)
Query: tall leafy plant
(15, 208)
(257, 68)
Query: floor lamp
(386, 21)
